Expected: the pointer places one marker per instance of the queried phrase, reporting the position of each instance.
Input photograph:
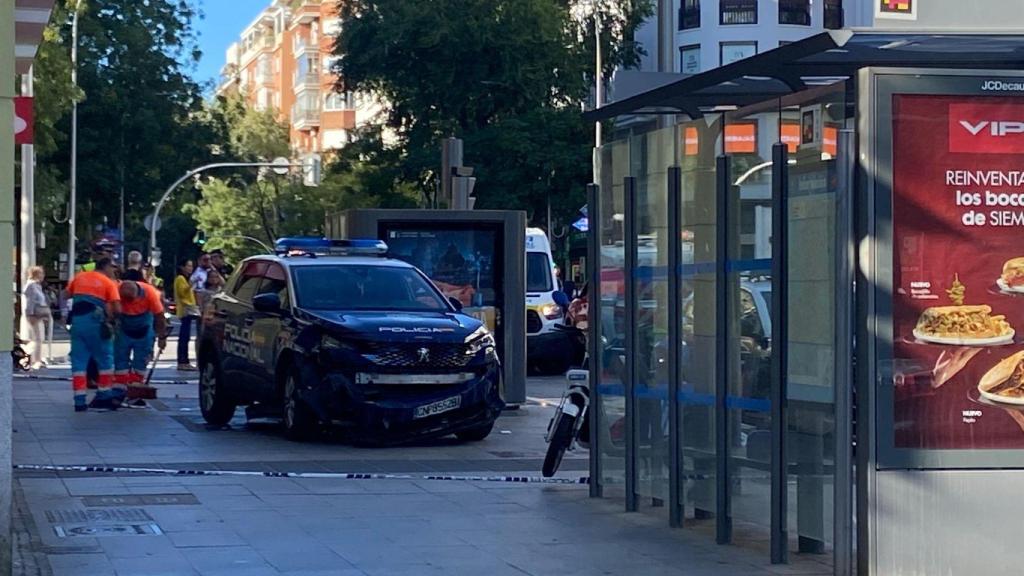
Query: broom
(147, 392)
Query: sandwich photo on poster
(958, 272)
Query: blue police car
(332, 332)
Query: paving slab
(265, 526)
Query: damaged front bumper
(400, 407)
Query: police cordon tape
(580, 480)
(321, 475)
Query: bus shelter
(808, 308)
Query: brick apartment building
(282, 62)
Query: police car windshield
(362, 287)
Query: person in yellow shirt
(187, 311)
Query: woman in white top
(37, 313)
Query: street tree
(262, 204)
(510, 77)
(140, 121)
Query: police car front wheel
(297, 419)
(214, 403)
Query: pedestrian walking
(142, 323)
(37, 314)
(187, 310)
(96, 302)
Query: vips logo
(987, 128)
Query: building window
(834, 14)
(737, 12)
(689, 15)
(334, 102)
(730, 52)
(689, 59)
(797, 12)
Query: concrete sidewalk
(102, 524)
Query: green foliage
(270, 206)
(139, 116)
(507, 76)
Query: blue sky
(224, 22)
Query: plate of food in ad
(1012, 279)
(1004, 383)
(964, 325)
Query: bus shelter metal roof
(821, 59)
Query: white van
(544, 344)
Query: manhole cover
(89, 516)
(99, 530)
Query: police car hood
(397, 326)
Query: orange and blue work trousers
(88, 317)
(132, 349)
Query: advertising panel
(462, 262)
(958, 272)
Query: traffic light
(199, 239)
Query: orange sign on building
(691, 141)
(830, 140)
(741, 138)
(789, 133)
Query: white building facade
(712, 33)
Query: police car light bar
(313, 246)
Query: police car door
(267, 334)
(238, 347)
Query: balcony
(305, 11)
(309, 81)
(260, 44)
(305, 118)
(303, 47)
(737, 12)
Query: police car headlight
(551, 311)
(482, 339)
(332, 346)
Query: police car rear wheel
(213, 402)
(298, 422)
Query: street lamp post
(313, 167)
(74, 144)
(265, 248)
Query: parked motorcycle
(571, 423)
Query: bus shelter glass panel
(815, 183)
(696, 397)
(653, 153)
(748, 141)
(611, 390)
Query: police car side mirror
(269, 303)
(456, 303)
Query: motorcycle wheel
(560, 442)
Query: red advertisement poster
(958, 272)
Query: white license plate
(439, 407)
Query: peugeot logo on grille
(424, 354)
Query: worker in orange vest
(96, 303)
